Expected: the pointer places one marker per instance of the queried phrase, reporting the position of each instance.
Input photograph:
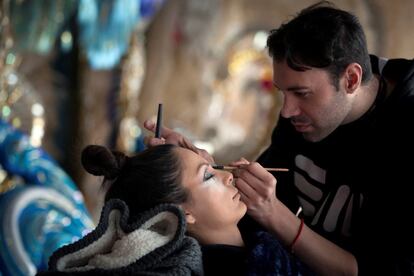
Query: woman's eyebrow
(202, 165)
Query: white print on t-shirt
(317, 197)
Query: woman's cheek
(213, 183)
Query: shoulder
(394, 69)
(399, 73)
(398, 77)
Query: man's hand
(257, 188)
(241, 162)
(169, 136)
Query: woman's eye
(208, 175)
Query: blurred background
(79, 72)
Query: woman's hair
(321, 36)
(149, 178)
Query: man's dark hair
(143, 181)
(321, 36)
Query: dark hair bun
(99, 160)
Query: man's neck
(367, 96)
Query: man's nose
(290, 107)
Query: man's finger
(244, 198)
(150, 125)
(248, 177)
(151, 141)
(241, 161)
(245, 188)
(256, 170)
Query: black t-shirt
(356, 185)
(224, 260)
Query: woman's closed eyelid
(207, 175)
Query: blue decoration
(105, 28)
(139, 143)
(41, 214)
(149, 8)
(37, 24)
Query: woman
(174, 180)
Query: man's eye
(302, 94)
(208, 175)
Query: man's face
(311, 101)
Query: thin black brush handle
(159, 122)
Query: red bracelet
(297, 236)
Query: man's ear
(353, 77)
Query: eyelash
(208, 175)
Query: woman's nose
(228, 178)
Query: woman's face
(214, 201)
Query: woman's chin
(243, 209)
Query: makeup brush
(159, 122)
(221, 167)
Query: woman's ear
(189, 217)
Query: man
(343, 132)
